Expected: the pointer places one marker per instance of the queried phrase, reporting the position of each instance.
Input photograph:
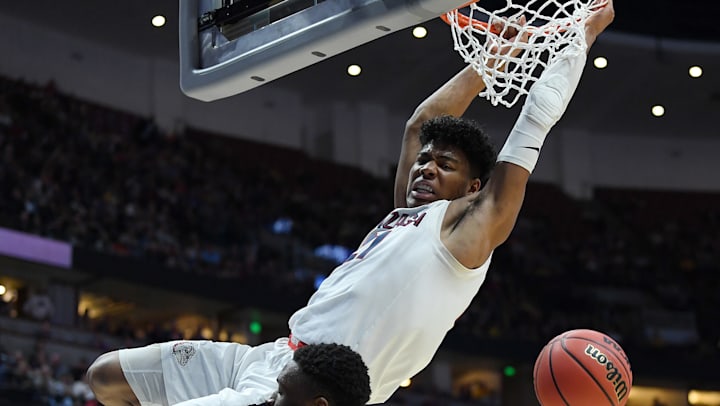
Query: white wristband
(544, 106)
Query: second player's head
(324, 375)
(456, 159)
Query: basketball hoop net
(554, 27)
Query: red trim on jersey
(294, 343)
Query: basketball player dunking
(396, 297)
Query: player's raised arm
(480, 223)
(453, 98)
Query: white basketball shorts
(172, 372)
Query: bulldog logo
(183, 352)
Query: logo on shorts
(183, 352)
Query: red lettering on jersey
(419, 219)
(397, 220)
(403, 221)
(392, 217)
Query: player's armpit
(477, 224)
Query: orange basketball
(582, 368)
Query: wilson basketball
(581, 368)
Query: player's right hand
(597, 23)
(505, 45)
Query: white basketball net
(553, 25)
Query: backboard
(229, 46)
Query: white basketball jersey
(394, 299)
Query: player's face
(439, 173)
(293, 388)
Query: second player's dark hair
(336, 370)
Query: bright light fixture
(158, 21)
(600, 62)
(658, 110)
(419, 32)
(405, 383)
(695, 71)
(354, 70)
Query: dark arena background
(132, 214)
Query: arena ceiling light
(658, 110)
(600, 62)
(354, 70)
(419, 32)
(158, 20)
(695, 71)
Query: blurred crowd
(104, 179)
(642, 266)
(194, 202)
(41, 378)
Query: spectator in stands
(39, 306)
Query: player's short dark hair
(466, 135)
(338, 371)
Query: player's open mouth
(422, 191)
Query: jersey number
(370, 242)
